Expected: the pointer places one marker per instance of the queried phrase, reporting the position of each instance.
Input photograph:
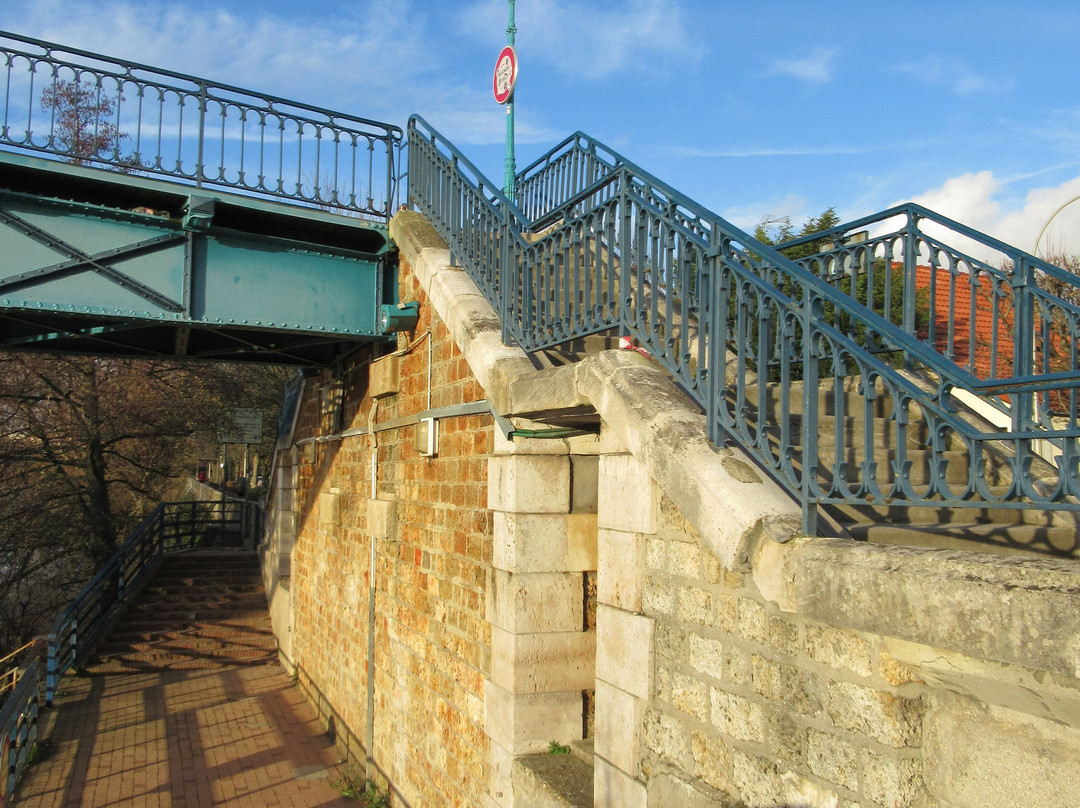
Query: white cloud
(953, 73)
(975, 200)
(817, 68)
(593, 40)
(347, 60)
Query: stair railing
(136, 118)
(605, 246)
(1008, 318)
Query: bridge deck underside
(105, 263)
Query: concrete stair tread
(136, 665)
(220, 588)
(208, 625)
(189, 641)
(215, 605)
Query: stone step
(151, 600)
(141, 663)
(254, 620)
(166, 588)
(200, 610)
(1014, 539)
(196, 645)
(213, 560)
(574, 350)
(208, 631)
(552, 781)
(193, 616)
(853, 401)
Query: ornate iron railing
(170, 527)
(1007, 319)
(87, 108)
(599, 244)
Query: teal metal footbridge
(229, 225)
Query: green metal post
(509, 182)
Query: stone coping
(987, 606)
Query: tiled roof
(970, 344)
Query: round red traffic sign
(506, 69)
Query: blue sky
(754, 110)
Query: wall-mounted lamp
(398, 317)
(426, 437)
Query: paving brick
(230, 736)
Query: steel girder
(100, 262)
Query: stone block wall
(829, 673)
(542, 496)
(753, 702)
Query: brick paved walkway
(234, 736)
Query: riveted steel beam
(176, 273)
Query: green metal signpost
(506, 68)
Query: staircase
(997, 529)
(201, 610)
(595, 245)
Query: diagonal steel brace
(81, 261)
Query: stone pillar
(628, 507)
(541, 658)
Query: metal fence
(1006, 319)
(18, 722)
(87, 108)
(598, 244)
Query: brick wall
(433, 544)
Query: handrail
(717, 309)
(18, 722)
(170, 527)
(9, 679)
(89, 108)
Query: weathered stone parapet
(1020, 611)
(728, 500)
(984, 755)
